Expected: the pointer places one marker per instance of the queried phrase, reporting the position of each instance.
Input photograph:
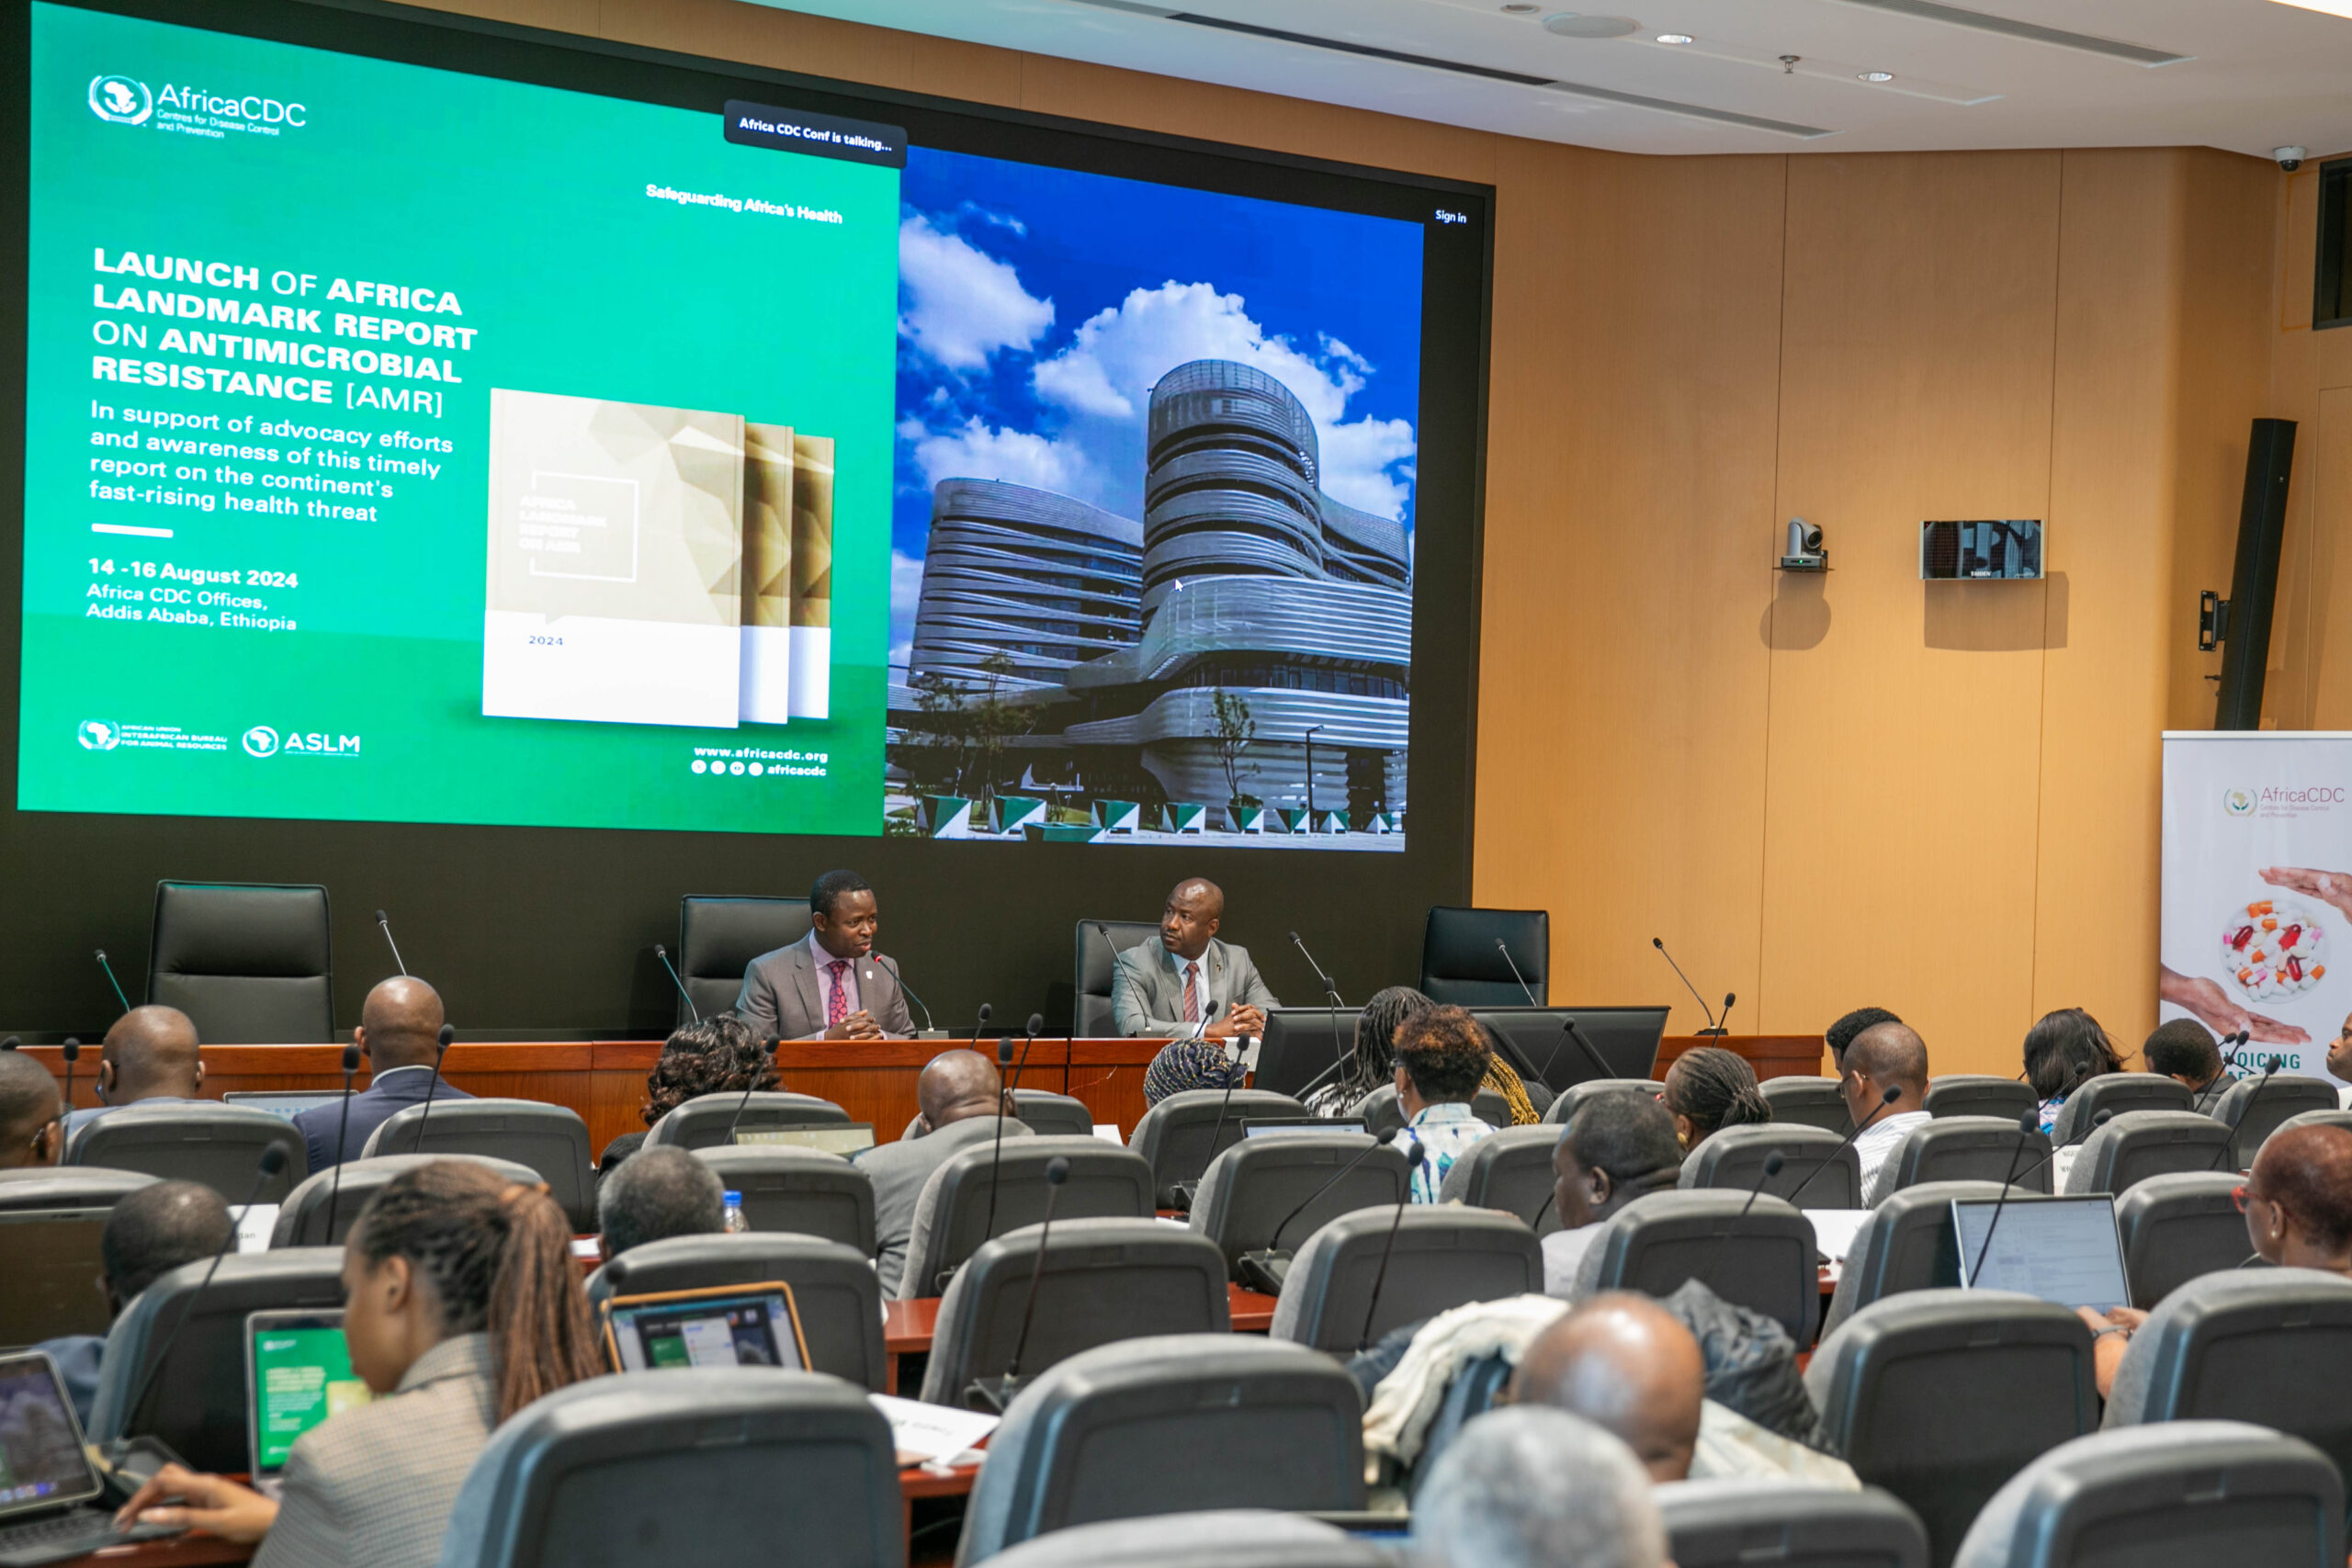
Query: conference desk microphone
(2102, 1120)
(112, 981)
(1388, 1248)
(2269, 1067)
(662, 953)
(341, 1126)
(70, 1051)
(1569, 1031)
(1773, 1163)
(979, 1024)
(1029, 1037)
(1185, 1191)
(1332, 991)
(773, 1046)
(1894, 1092)
(930, 1030)
(1003, 1113)
(2028, 1125)
(992, 1394)
(1265, 1268)
(384, 925)
(1524, 988)
(1712, 1028)
(440, 1050)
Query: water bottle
(735, 1220)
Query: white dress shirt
(1877, 1145)
(824, 962)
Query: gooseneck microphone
(979, 1024)
(1216, 1129)
(1712, 1027)
(1894, 1092)
(1724, 1019)
(112, 981)
(2269, 1066)
(773, 1046)
(341, 1126)
(1003, 1108)
(927, 1027)
(273, 1160)
(385, 926)
(662, 953)
(1774, 1163)
(1264, 1269)
(1389, 1248)
(2102, 1120)
(995, 1393)
(1569, 1031)
(440, 1049)
(2028, 1125)
(1029, 1038)
(70, 1051)
(1332, 992)
(1525, 989)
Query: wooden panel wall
(2310, 685)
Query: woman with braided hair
(1371, 1063)
(717, 1055)
(1709, 1089)
(461, 1306)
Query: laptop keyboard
(67, 1535)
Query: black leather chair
(2119, 1093)
(550, 1139)
(1979, 1094)
(69, 1187)
(1092, 1020)
(983, 1191)
(220, 1145)
(717, 938)
(2187, 1494)
(197, 1405)
(1175, 1136)
(1461, 966)
(1293, 1185)
(1818, 1161)
(251, 964)
(1564, 1108)
(1739, 1523)
(1906, 1244)
(2254, 1107)
(1802, 1101)
(1942, 1396)
(1055, 1115)
(1970, 1148)
(708, 1121)
(1763, 1262)
(2141, 1144)
(2176, 1228)
(1180, 1423)
(1510, 1169)
(802, 1191)
(303, 1219)
(1443, 1256)
(834, 1290)
(723, 1467)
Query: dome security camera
(2289, 158)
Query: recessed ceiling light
(1520, 9)
(1674, 38)
(1569, 23)
(1875, 76)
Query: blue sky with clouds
(1037, 306)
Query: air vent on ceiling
(1929, 11)
(1462, 68)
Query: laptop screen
(2062, 1249)
(41, 1464)
(52, 1271)
(297, 1373)
(832, 1139)
(287, 1102)
(734, 1326)
(1292, 1126)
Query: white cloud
(978, 451)
(962, 304)
(1360, 464)
(906, 593)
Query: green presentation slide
(304, 1376)
(410, 446)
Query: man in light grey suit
(961, 1098)
(1162, 988)
(834, 986)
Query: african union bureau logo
(97, 735)
(261, 740)
(2238, 802)
(122, 100)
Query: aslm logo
(121, 100)
(261, 740)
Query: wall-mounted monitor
(1980, 550)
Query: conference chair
(711, 1121)
(1179, 1424)
(1266, 1196)
(197, 1405)
(717, 939)
(1969, 1148)
(1461, 966)
(1807, 1101)
(974, 1196)
(70, 1186)
(2141, 1144)
(2180, 1227)
(1740, 1523)
(303, 1219)
(1906, 1244)
(1180, 1135)
(1056, 1115)
(1091, 1017)
(722, 1467)
(220, 1145)
(1940, 1396)
(1817, 1165)
(2117, 1092)
(804, 1192)
(251, 964)
(1380, 1113)
(1571, 1099)
(1764, 1261)
(2271, 1345)
(2185, 1495)
(2254, 1107)
(1510, 1169)
(550, 1139)
(1098, 1280)
(833, 1289)
(1980, 1094)
(1233, 1538)
(1375, 1269)
(2314, 1119)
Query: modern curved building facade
(1044, 579)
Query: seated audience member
(1371, 1063)
(1624, 1364)
(960, 1098)
(1441, 1056)
(1882, 1057)
(1840, 1034)
(400, 1036)
(2184, 1052)
(2339, 1060)
(149, 1055)
(832, 986)
(148, 1234)
(1620, 1147)
(660, 1191)
(462, 1306)
(718, 1055)
(1709, 1089)
(1536, 1488)
(2065, 1050)
(2298, 1204)
(32, 1125)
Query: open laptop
(2065, 1250)
(832, 1139)
(297, 1373)
(1293, 1126)
(50, 1508)
(52, 1270)
(287, 1102)
(719, 1326)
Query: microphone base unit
(1714, 1033)
(1264, 1270)
(992, 1396)
(931, 1034)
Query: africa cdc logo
(121, 100)
(261, 740)
(97, 735)
(2238, 802)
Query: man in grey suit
(1166, 988)
(834, 986)
(960, 1097)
